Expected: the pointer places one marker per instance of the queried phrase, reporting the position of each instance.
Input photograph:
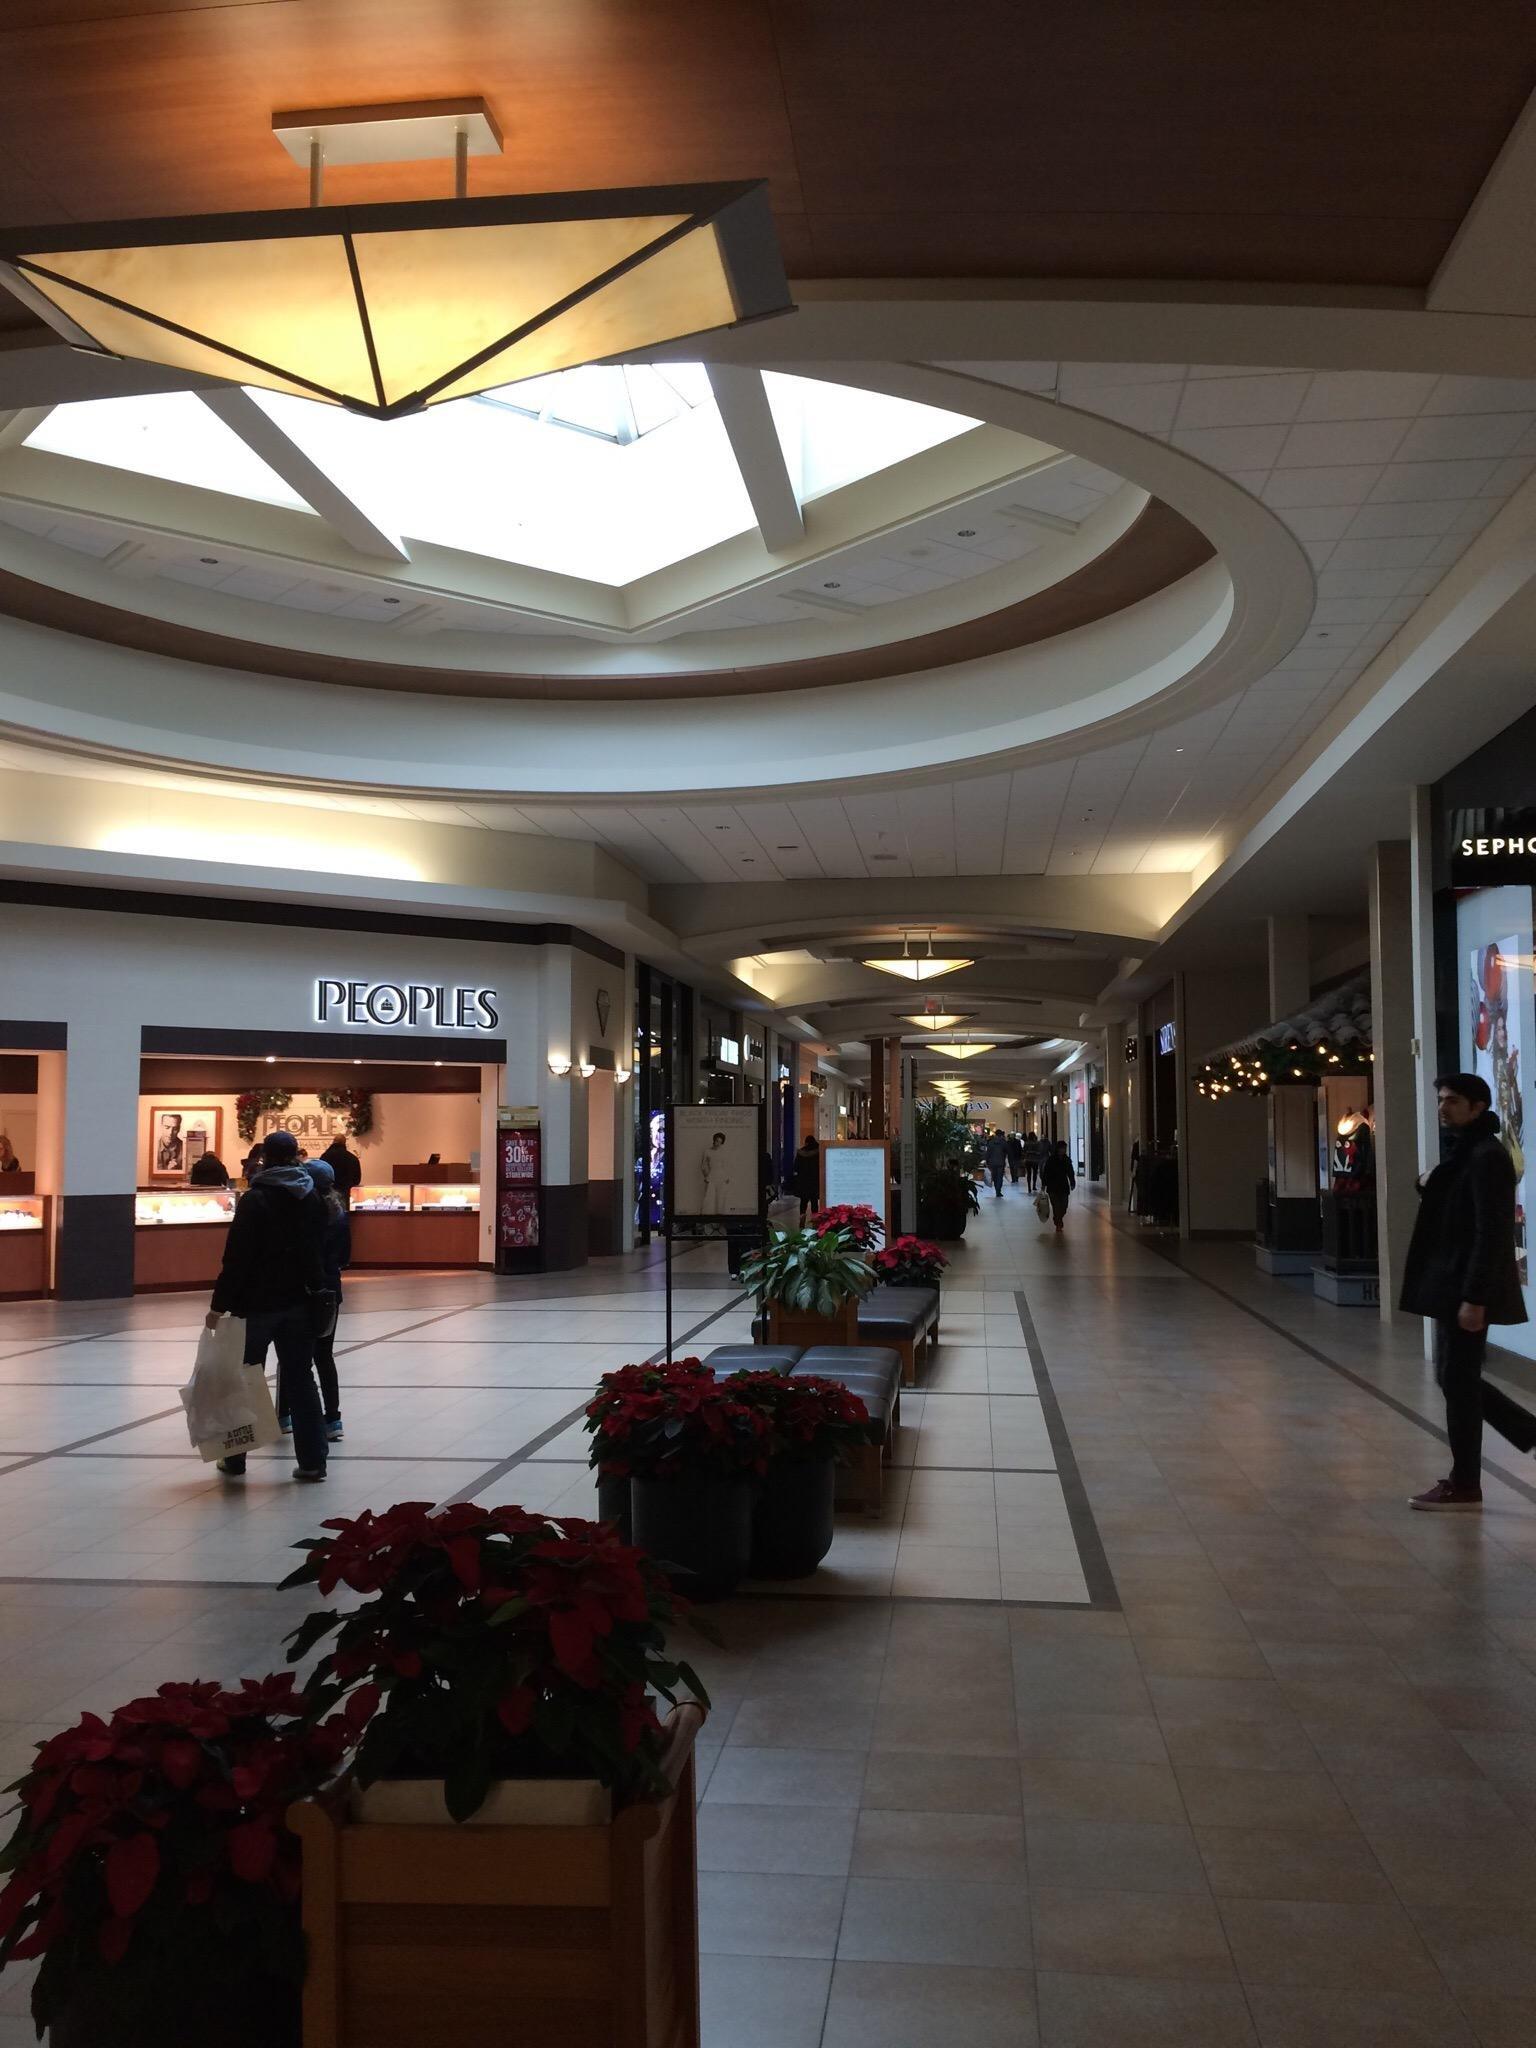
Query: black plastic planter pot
(613, 1505)
(259, 2013)
(701, 1531)
(792, 1524)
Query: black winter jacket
(1463, 1243)
(274, 1255)
(1056, 1175)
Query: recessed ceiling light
(747, 860)
(391, 600)
(882, 856)
(966, 533)
(831, 586)
(209, 561)
(790, 846)
(722, 828)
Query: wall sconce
(620, 1075)
(586, 1069)
(558, 1067)
(1107, 1100)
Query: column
(562, 1115)
(1390, 885)
(1221, 1140)
(97, 1162)
(877, 1093)
(1290, 965)
(1119, 1111)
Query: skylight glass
(607, 473)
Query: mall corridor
(1147, 1714)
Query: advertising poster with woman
(1499, 988)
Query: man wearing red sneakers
(1461, 1270)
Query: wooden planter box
(788, 1326)
(557, 1937)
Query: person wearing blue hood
(274, 1276)
(336, 1255)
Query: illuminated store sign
(1167, 1038)
(1491, 846)
(406, 1005)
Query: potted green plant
(152, 1871)
(816, 1423)
(946, 1193)
(511, 1777)
(812, 1282)
(692, 1455)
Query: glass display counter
(184, 1205)
(413, 1223)
(25, 1236)
(178, 1235)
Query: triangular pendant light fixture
(388, 309)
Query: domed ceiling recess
(653, 530)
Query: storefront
(663, 1073)
(1484, 868)
(146, 1041)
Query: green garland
(356, 1104)
(255, 1103)
(1271, 1064)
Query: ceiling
(1113, 140)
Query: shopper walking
(1015, 1157)
(997, 1160)
(1058, 1180)
(273, 1270)
(1461, 1270)
(1031, 1163)
(335, 1257)
(346, 1166)
(805, 1174)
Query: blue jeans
(287, 1329)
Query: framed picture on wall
(179, 1137)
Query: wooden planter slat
(791, 1326)
(561, 1937)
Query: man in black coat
(1461, 1270)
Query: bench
(873, 1372)
(900, 1317)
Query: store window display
(1498, 1025)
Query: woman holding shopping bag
(336, 1256)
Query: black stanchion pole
(669, 1297)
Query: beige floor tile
(907, 1781)
(1140, 2012)
(1280, 1863)
(981, 1846)
(929, 2005)
(1294, 2016)
(932, 1920)
(1100, 1791)
(1114, 1856)
(813, 1840)
(1090, 1738)
(1348, 1947)
(762, 2001)
(759, 1915)
(1301, 1801)
(1131, 1934)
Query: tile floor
(1147, 1714)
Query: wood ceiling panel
(1330, 141)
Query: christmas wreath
(356, 1104)
(255, 1103)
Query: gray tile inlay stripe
(1097, 1575)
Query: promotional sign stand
(713, 1177)
(856, 1172)
(518, 1176)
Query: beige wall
(406, 1129)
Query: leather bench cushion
(728, 1358)
(873, 1374)
(832, 1360)
(908, 1311)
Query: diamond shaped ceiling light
(935, 1020)
(388, 309)
(963, 1049)
(919, 967)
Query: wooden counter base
(394, 1237)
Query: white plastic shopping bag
(1043, 1206)
(228, 1403)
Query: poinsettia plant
(859, 1223)
(673, 1421)
(153, 1844)
(910, 1262)
(811, 1418)
(496, 1643)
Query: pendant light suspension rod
(316, 170)
(461, 163)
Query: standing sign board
(857, 1171)
(714, 1167)
(713, 1177)
(517, 1196)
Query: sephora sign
(406, 1005)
